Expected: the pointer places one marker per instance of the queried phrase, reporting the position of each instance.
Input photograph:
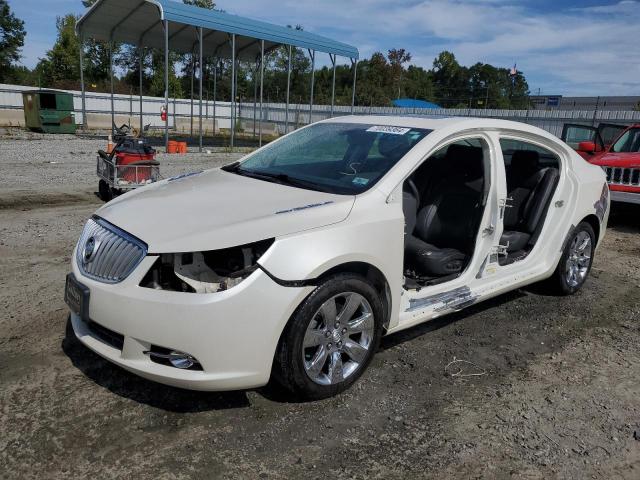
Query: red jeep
(616, 148)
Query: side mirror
(587, 147)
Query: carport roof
(139, 22)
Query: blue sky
(567, 47)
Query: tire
(330, 339)
(575, 263)
(105, 191)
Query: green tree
(210, 4)
(96, 58)
(60, 67)
(451, 81)
(156, 84)
(11, 40)
(418, 83)
(397, 58)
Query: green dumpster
(49, 111)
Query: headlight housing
(205, 272)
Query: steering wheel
(414, 190)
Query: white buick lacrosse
(292, 263)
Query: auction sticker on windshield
(388, 129)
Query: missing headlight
(205, 272)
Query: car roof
(438, 123)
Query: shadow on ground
(128, 385)
(133, 387)
(449, 319)
(625, 217)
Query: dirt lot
(558, 395)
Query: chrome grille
(106, 253)
(622, 176)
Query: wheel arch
(594, 222)
(374, 275)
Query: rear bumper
(233, 334)
(625, 197)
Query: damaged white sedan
(292, 263)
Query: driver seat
(444, 234)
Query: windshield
(629, 142)
(342, 158)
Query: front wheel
(575, 264)
(331, 339)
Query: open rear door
(573, 134)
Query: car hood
(627, 160)
(218, 209)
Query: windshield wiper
(232, 167)
(281, 178)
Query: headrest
(393, 146)
(465, 161)
(524, 164)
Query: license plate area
(76, 296)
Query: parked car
(619, 158)
(292, 263)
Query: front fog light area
(173, 358)
(205, 272)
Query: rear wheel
(331, 338)
(575, 264)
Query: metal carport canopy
(141, 23)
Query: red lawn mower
(130, 164)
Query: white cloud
(581, 51)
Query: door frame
(432, 301)
(564, 189)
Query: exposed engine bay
(205, 272)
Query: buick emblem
(89, 251)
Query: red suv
(615, 148)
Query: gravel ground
(557, 395)
(38, 169)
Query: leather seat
(428, 260)
(530, 191)
(446, 226)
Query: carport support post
(113, 113)
(333, 82)
(166, 83)
(312, 53)
(255, 98)
(140, 64)
(215, 81)
(353, 91)
(84, 109)
(193, 66)
(233, 86)
(261, 89)
(286, 110)
(201, 74)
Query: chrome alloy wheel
(338, 338)
(579, 259)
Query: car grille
(107, 254)
(622, 176)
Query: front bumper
(625, 197)
(233, 334)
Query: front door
(456, 228)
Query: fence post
(595, 112)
